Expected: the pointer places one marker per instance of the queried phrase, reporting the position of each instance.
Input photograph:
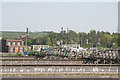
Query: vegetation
(92, 39)
(32, 53)
(15, 35)
(29, 42)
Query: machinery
(102, 57)
(96, 57)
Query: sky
(51, 16)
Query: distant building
(12, 46)
(73, 47)
(70, 45)
(38, 47)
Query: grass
(15, 35)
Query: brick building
(12, 46)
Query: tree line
(92, 39)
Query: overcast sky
(51, 16)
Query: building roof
(13, 40)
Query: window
(9, 43)
(11, 49)
(18, 43)
(21, 49)
(14, 43)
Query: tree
(106, 40)
(95, 38)
(29, 42)
(39, 40)
(48, 42)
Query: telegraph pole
(26, 38)
(67, 36)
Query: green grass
(15, 35)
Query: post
(26, 42)
(26, 38)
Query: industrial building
(12, 46)
(70, 45)
(38, 47)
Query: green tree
(48, 42)
(39, 40)
(29, 42)
(106, 40)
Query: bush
(18, 54)
(32, 53)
